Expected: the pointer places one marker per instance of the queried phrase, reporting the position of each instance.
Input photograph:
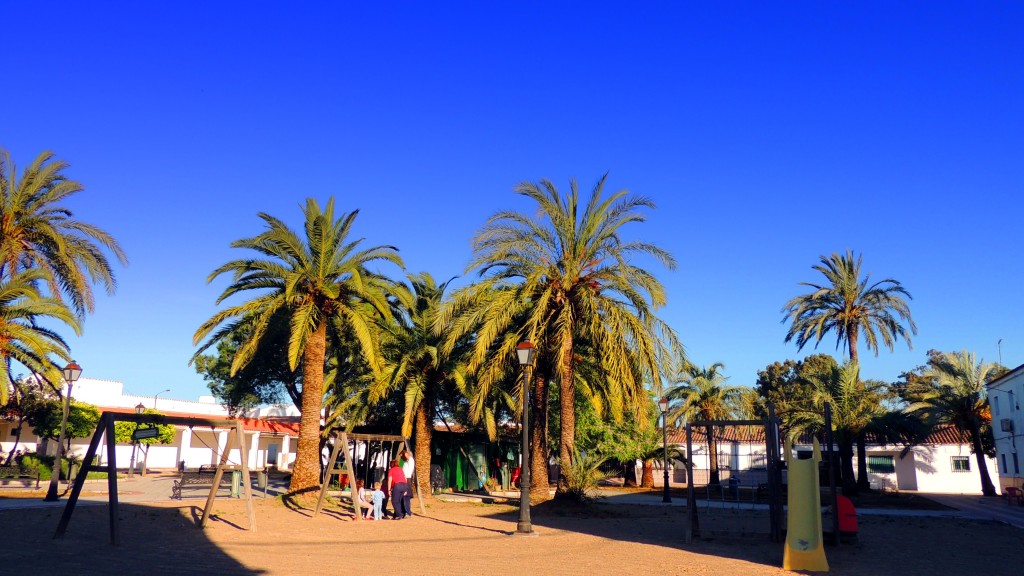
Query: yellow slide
(804, 545)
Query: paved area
(157, 488)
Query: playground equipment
(350, 444)
(805, 548)
(105, 430)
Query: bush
(44, 463)
(583, 476)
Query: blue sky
(767, 135)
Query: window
(961, 463)
(881, 464)
(1004, 463)
(1016, 468)
(995, 406)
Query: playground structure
(372, 450)
(805, 547)
(738, 463)
(105, 430)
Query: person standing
(409, 469)
(398, 487)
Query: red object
(847, 516)
(396, 476)
(515, 475)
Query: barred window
(961, 463)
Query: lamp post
(71, 373)
(157, 395)
(139, 409)
(663, 406)
(526, 354)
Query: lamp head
(140, 408)
(71, 372)
(663, 405)
(526, 352)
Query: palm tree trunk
(846, 466)
(987, 488)
(647, 481)
(862, 464)
(629, 474)
(424, 432)
(567, 400)
(851, 341)
(538, 441)
(306, 473)
(713, 477)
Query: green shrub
(583, 476)
(44, 463)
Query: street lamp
(71, 373)
(526, 354)
(139, 409)
(157, 395)
(663, 406)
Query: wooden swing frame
(105, 429)
(341, 439)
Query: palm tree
(957, 397)
(37, 231)
(415, 362)
(559, 278)
(850, 307)
(321, 281)
(701, 394)
(22, 338)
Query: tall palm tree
(22, 338)
(38, 231)
(957, 397)
(563, 276)
(321, 281)
(850, 307)
(701, 394)
(415, 361)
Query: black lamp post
(139, 409)
(526, 354)
(663, 406)
(71, 373)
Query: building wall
(1006, 400)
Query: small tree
(123, 432)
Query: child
(377, 496)
(364, 499)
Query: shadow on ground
(152, 541)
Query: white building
(941, 464)
(1005, 396)
(271, 433)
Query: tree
(123, 432)
(26, 395)
(262, 380)
(415, 362)
(23, 338)
(319, 281)
(45, 417)
(701, 394)
(38, 232)
(850, 307)
(952, 392)
(562, 278)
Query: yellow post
(805, 548)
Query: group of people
(398, 477)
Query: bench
(20, 472)
(202, 478)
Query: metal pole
(525, 526)
(51, 492)
(832, 473)
(666, 497)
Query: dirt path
(473, 539)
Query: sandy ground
(474, 539)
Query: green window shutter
(881, 464)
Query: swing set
(105, 429)
(373, 450)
